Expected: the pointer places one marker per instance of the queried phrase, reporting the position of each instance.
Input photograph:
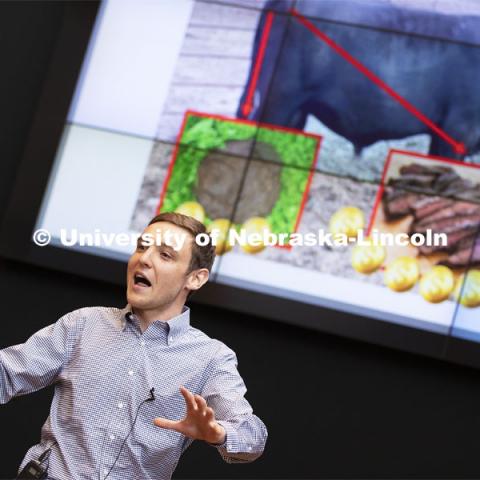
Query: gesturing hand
(199, 422)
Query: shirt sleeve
(224, 392)
(35, 364)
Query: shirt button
(130, 372)
(171, 338)
(120, 405)
(105, 471)
(142, 343)
(249, 448)
(112, 437)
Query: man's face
(163, 266)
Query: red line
(218, 116)
(436, 157)
(254, 123)
(379, 192)
(247, 106)
(375, 208)
(188, 113)
(172, 162)
(305, 193)
(458, 147)
(290, 130)
(387, 164)
(411, 154)
(307, 186)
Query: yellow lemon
(470, 289)
(437, 284)
(402, 274)
(253, 231)
(220, 230)
(367, 258)
(347, 221)
(192, 209)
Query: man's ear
(197, 279)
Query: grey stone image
(220, 178)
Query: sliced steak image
(465, 256)
(440, 200)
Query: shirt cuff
(232, 442)
(224, 444)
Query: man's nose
(146, 256)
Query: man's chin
(138, 299)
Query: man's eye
(141, 247)
(165, 255)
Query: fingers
(203, 408)
(202, 404)
(165, 423)
(196, 403)
(209, 414)
(189, 399)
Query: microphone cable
(150, 399)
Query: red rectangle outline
(412, 154)
(188, 113)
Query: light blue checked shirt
(103, 368)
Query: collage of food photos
(233, 169)
(235, 174)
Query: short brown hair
(202, 256)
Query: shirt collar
(172, 329)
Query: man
(135, 387)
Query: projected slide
(303, 119)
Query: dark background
(334, 408)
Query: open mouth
(141, 280)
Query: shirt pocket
(157, 443)
(169, 403)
